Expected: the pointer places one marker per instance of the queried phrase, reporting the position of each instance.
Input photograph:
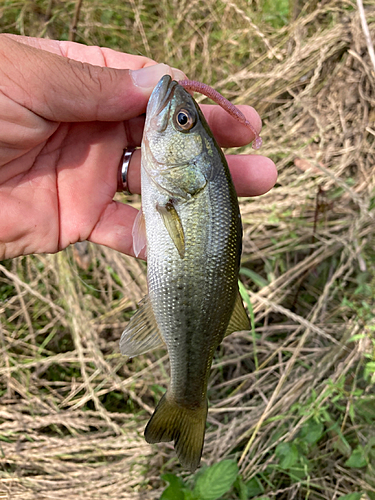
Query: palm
(72, 178)
(86, 165)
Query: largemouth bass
(194, 235)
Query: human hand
(67, 111)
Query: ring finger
(252, 175)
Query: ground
(292, 403)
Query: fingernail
(149, 77)
(178, 75)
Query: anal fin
(142, 333)
(239, 320)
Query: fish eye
(184, 119)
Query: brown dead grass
(72, 410)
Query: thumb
(64, 90)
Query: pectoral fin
(142, 333)
(239, 320)
(173, 225)
(139, 233)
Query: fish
(190, 224)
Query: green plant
(210, 483)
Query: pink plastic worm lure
(214, 95)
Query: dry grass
(72, 410)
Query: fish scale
(194, 235)
(167, 274)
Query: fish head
(175, 129)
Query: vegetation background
(292, 403)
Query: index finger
(227, 130)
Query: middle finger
(227, 131)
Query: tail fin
(184, 426)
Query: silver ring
(122, 180)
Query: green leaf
(255, 277)
(189, 495)
(175, 489)
(351, 496)
(369, 369)
(246, 298)
(241, 488)
(312, 431)
(254, 488)
(172, 479)
(244, 295)
(287, 453)
(365, 408)
(213, 482)
(356, 337)
(357, 459)
(297, 473)
(171, 493)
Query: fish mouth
(161, 95)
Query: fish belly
(193, 297)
